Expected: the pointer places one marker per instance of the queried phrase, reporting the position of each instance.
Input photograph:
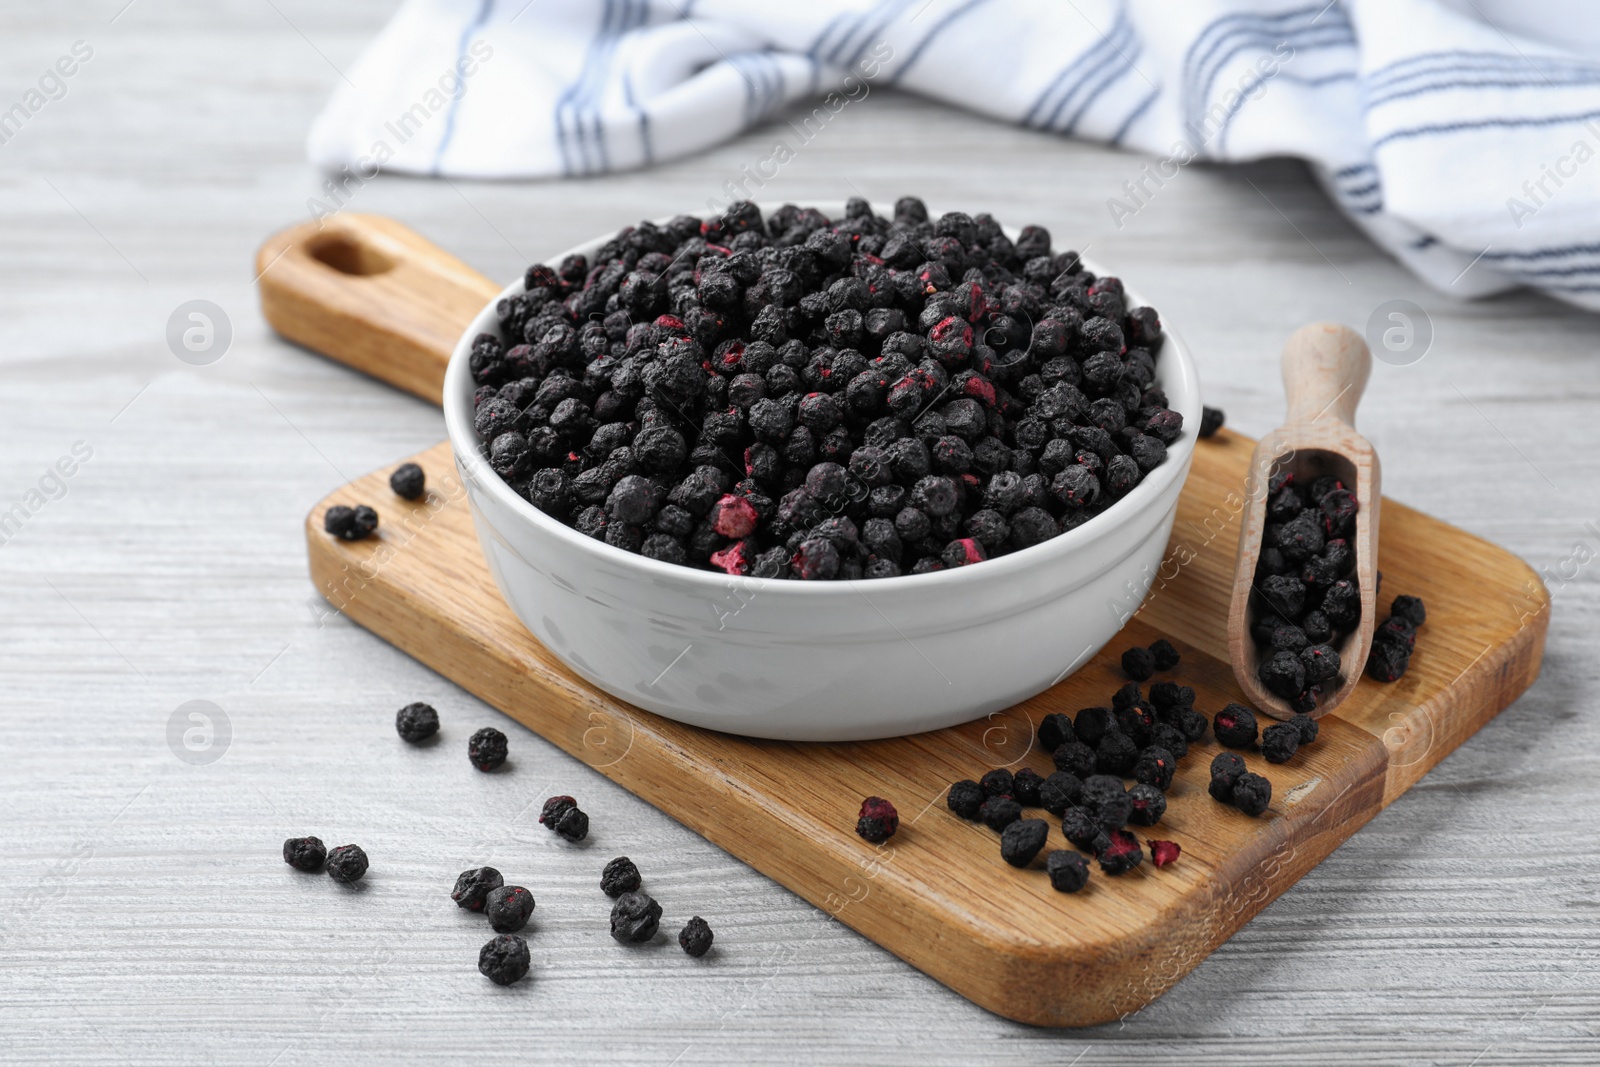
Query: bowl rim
(463, 436)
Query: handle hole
(348, 256)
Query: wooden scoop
(1325, 369)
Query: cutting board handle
(1325, 371)
(373, 294)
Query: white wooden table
(145, 915)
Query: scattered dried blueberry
(487, 749)
(1075, 758)
(620, 876)
(1106, 800)
(695, 937)
(1149, 804)
(350, 524)
(1055, 730)
(1235, 726)
(635, 917)
(1164, 852)
(1252, 793)
(1138, 663)
(347, 864)
(408, 481)
(473, 886)
(1394, 639)
(416, 722)
(1025, 786)
(1060, 791)
(878, 820)
(966, 797)
(1022, 840)
(1080, 828)
(1091, 724)
(1121, 853)
(1280, 741)
(305, 853)
(508, 908)
(1409, 608)
(1226, 769)
(997, 783)
(1307, 727)
(997, 813)
(1211, 420)
(1068, 871)
(1155, 767)
(1163, 655)
(504, 959)
(561, 815)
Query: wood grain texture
(937, 894)
(1458, 927)
(1325, 372)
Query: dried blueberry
(1055, 730)
(695, 937)
(347, 864)
(1149, 804)
(508, 908)
(561, 815)
(635, 917)
(997, 783)
(619, 876)
(1138, 663)
(350, 524)
(966, 796)
(1251, 793)
(1235, 726)
(1121, 853)
(1060, 791)
(408, 481)
(416, 722)
(504, 960)
(1163, 655)
(878, 820)
(473, 886)
(1068, 871)
(1279, 742)
(305, 853)
(1021, 841)
(487, 749)
(997, 813)
(1163, 853)
(1025, 786)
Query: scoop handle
(373, 294)
(1325, 371)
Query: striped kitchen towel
(1461, 135)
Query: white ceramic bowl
(822, 661)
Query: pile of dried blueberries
(802, 397)
(1306, 595)
(1139, 736)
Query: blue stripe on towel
(1126, 65)
(938, 28)
(569, 93)
(1229, 26)
(1456, 60)
(1411, 132)
(455, 101)
(1133, 116)
(1085, 65)
(1531, 80)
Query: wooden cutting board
(937, 894)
